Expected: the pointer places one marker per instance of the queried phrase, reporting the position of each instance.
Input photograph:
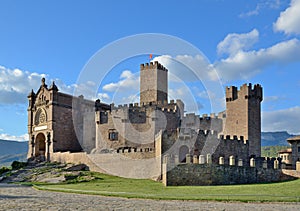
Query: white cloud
(128, 80)
(265, 4)
(245, 64)
(289, 20)
(133, 98)
(187, 67)
(270, 102)
(126, 98)
(202, 94)
(282, 120)
(103, 96)
(250, 13)
(124, 91)
(186, 71)
(241, 64)
(5, 136)
(184, 93)
(16, 84)
(233, 43)
(271, 99)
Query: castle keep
(145, 139)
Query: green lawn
(133, 188)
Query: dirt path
(17, 197)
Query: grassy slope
(132, 188)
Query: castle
(150, 138)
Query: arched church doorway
(40, 146)
(183, 151)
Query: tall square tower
(153, 83)
(243, 115)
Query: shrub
(71, 176)
(18, 165)
(4, 169)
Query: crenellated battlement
(204, 117)
(208, 132)
(229, 160)
(140, 114)
(245, 92)
(231, 93)
(153, 66)
(205, 122)
(171, 107)
(233, 138)
(212, 133)
(134, 150)
(220, 115)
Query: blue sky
(244, 41)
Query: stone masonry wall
(210, 174)
(136, 126)
(71, 131)
(243, 115)
(76, 158)
(206, 142)
(64, 138)
(154, 83)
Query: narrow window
(113, 136)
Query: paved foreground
(17, 197)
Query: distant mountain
(275, 138)
(11, 151)
(6, 160)
(13, 147)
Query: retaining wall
(212, 174)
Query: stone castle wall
(89, 132)
(73, 123)
(207, 174)
(223, 147)
(136, 126)
(205, 122)
(204, 143)
(76, 158)
(139, 165)
(64, 138)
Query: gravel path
(17, 197)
